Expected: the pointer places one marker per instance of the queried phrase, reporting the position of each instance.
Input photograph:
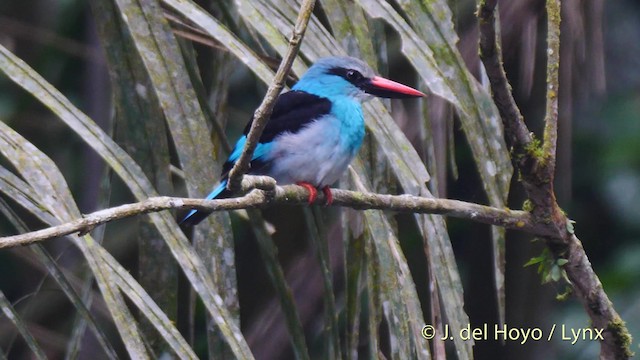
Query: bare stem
(264, 193)
(263, 112)
(553, 65)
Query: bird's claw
(313, 193)
(327, 195)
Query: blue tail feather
(196, 216)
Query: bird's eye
(353, 75)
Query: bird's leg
(327, 195)
(313, 193)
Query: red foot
(313, 193)
(327, 195)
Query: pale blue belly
(318, 154)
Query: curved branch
(264, 193)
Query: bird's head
(347, 76)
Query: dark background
(598, 179)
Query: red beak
(381, 87)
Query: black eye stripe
(351, 75)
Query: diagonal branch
(553, 66)
(517, 134)
(263, 113)
(263, 192)
(537, 167)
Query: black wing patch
(293, 110)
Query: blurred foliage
(601, 167)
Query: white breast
(316, 154)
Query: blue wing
(196, 216)
(293, 110)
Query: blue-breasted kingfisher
(315, 130)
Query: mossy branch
(550, 139)
(263, 192)
(536, 164)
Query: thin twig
(553, 65)
(265, 194)
(263, 113)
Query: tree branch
(588, 289)
(553, 66)
(263, 192)
(263, 112)
(517, 134)
(536, 165)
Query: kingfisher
(315, 130)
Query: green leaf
(44, 177)
(269, 254)
(16, 319)
(354, 264)
(164, 63)
(562, 262)
(429, 42)
(399, 300)
(570, 227)
(401, 156)
(212, 27)
(130, 287)
(147, 306)
(23, 194)
(140, 187)
(534, 260)
(140, 128)
(555, 273)
(317, 234)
